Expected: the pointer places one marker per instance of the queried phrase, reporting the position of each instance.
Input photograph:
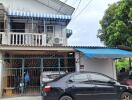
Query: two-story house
(35, 29)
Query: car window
(59, 77)
(79, 78)
(53, 76)
(99, 77)
(50, 77)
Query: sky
(85, 25)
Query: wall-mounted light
(70, 53)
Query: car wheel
(66, 98)
(126, 96)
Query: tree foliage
(122, 63)
(116, 24)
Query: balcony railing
(29, 39)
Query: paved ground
(23, 98)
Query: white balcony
(27, 39)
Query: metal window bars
(15, 69)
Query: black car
(85, 86)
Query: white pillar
(43, 39)
(114, 70)
(8, 25)
(7, 33)
(8, 38)
(4, 38)
(32, 26)
(1, 68)
(77, 61)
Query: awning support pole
(32, 25)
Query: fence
(15, 71)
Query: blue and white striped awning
(37, 15)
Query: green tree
(116, 27)
(116, 24)
(122, 63)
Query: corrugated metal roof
(58, 46)
(104, 52)
(57, 4)
(51, 6)
(89, 51)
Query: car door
(104, 88)
(80, 86)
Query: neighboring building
(33, 39)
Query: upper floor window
(18, 27)
(50, 29)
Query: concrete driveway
(23, 98)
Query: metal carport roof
(104, 52)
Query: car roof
(87, 72)
(93, 73)
(62, 72)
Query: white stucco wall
(60, 31)
(104, 66)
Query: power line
(83, 9)
(74, 2)
(78, 5)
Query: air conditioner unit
(58, 40)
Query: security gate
(21, 76)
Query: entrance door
(31, 76)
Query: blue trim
(104, 52)
(37, 15)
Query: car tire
(66, 97)
(126, 96)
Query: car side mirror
(71, 81)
